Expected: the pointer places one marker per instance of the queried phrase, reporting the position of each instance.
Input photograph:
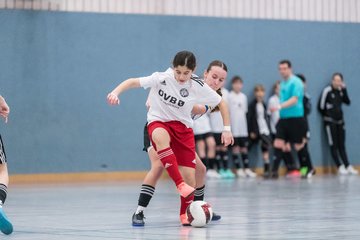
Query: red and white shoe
(184, 220)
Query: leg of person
(189, 177)
(200, 172)
(201, 149)
(266, 143)
(5, 225)
(148, 187)
(160, 137)
(288, 158)
(307, 170)
(235, 157)
(342, 150)
(245, 157)
(279, 145)
(211, 152)
(332, 136)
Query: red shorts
(182, 141)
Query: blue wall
(56, 69)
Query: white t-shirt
(260, 112)
(238, 106)
(216, 121)
(202, 125)
(273, 102)
(172, 101)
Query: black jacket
(330, 104)
(253, 126)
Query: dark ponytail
(185, 58)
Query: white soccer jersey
(238, 106)
(260, 112)
(273, 102)
(172, 101)
(216, 120)
(202, 125)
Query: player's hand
(227, 138)
(4, 110)
(253, 135)
(113, 99)
(275, 109)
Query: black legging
(336, 138)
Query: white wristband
(227, 128)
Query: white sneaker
(241, 173)
(250, 173)
(352, 170)
(342, 170)
(211, 173)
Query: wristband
(227, 128)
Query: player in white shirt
(238, 107)
(273, 102)
(205, 144)
(259, 126)
(173, 95)
(221, 151)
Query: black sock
(146, 194)
(278, 155)
(205, 162)
(245, 159)
(304, 158)
(218, 160)
(199, 194)
(236, 160)
(3, 193)
(211, 162)
(289, 161)
(266, 167)
(225, 160)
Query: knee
(200, 168)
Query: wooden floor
(320, 208)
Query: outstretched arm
(226, 136)
(113, 96)
(4, 109)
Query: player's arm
(226, 136)
(199, 109)
(4, 109)
(113, 96)
(291, 102)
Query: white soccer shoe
(211, 173)
(241, 173)
(250, 173)
(352, 170)
(342, 170)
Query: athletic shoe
(274, 175)
(184, 220)
(250, 173)
(293, 174)
(342, 170)
(211, 173)
(304, 171)
(267, 174)
(241, 173)
(311, 173)
(230, 174)
(222, 173)
(215, 217)
(352, 170)
(5, 225)
(185, 190)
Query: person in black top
(330, 107)
(306, 167)
(259, 126)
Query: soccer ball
(199, 213)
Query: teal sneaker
(223, 174)
(230, 174)
(5, 225)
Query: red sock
(185, 203)
(168, 159)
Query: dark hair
(217, 63)
(302, 77)
(185, 58)
(277, 83)
(338, 74)
(236, 79)
(285, 61)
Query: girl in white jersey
(173, 95)
(238, 106)
(214, 76)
